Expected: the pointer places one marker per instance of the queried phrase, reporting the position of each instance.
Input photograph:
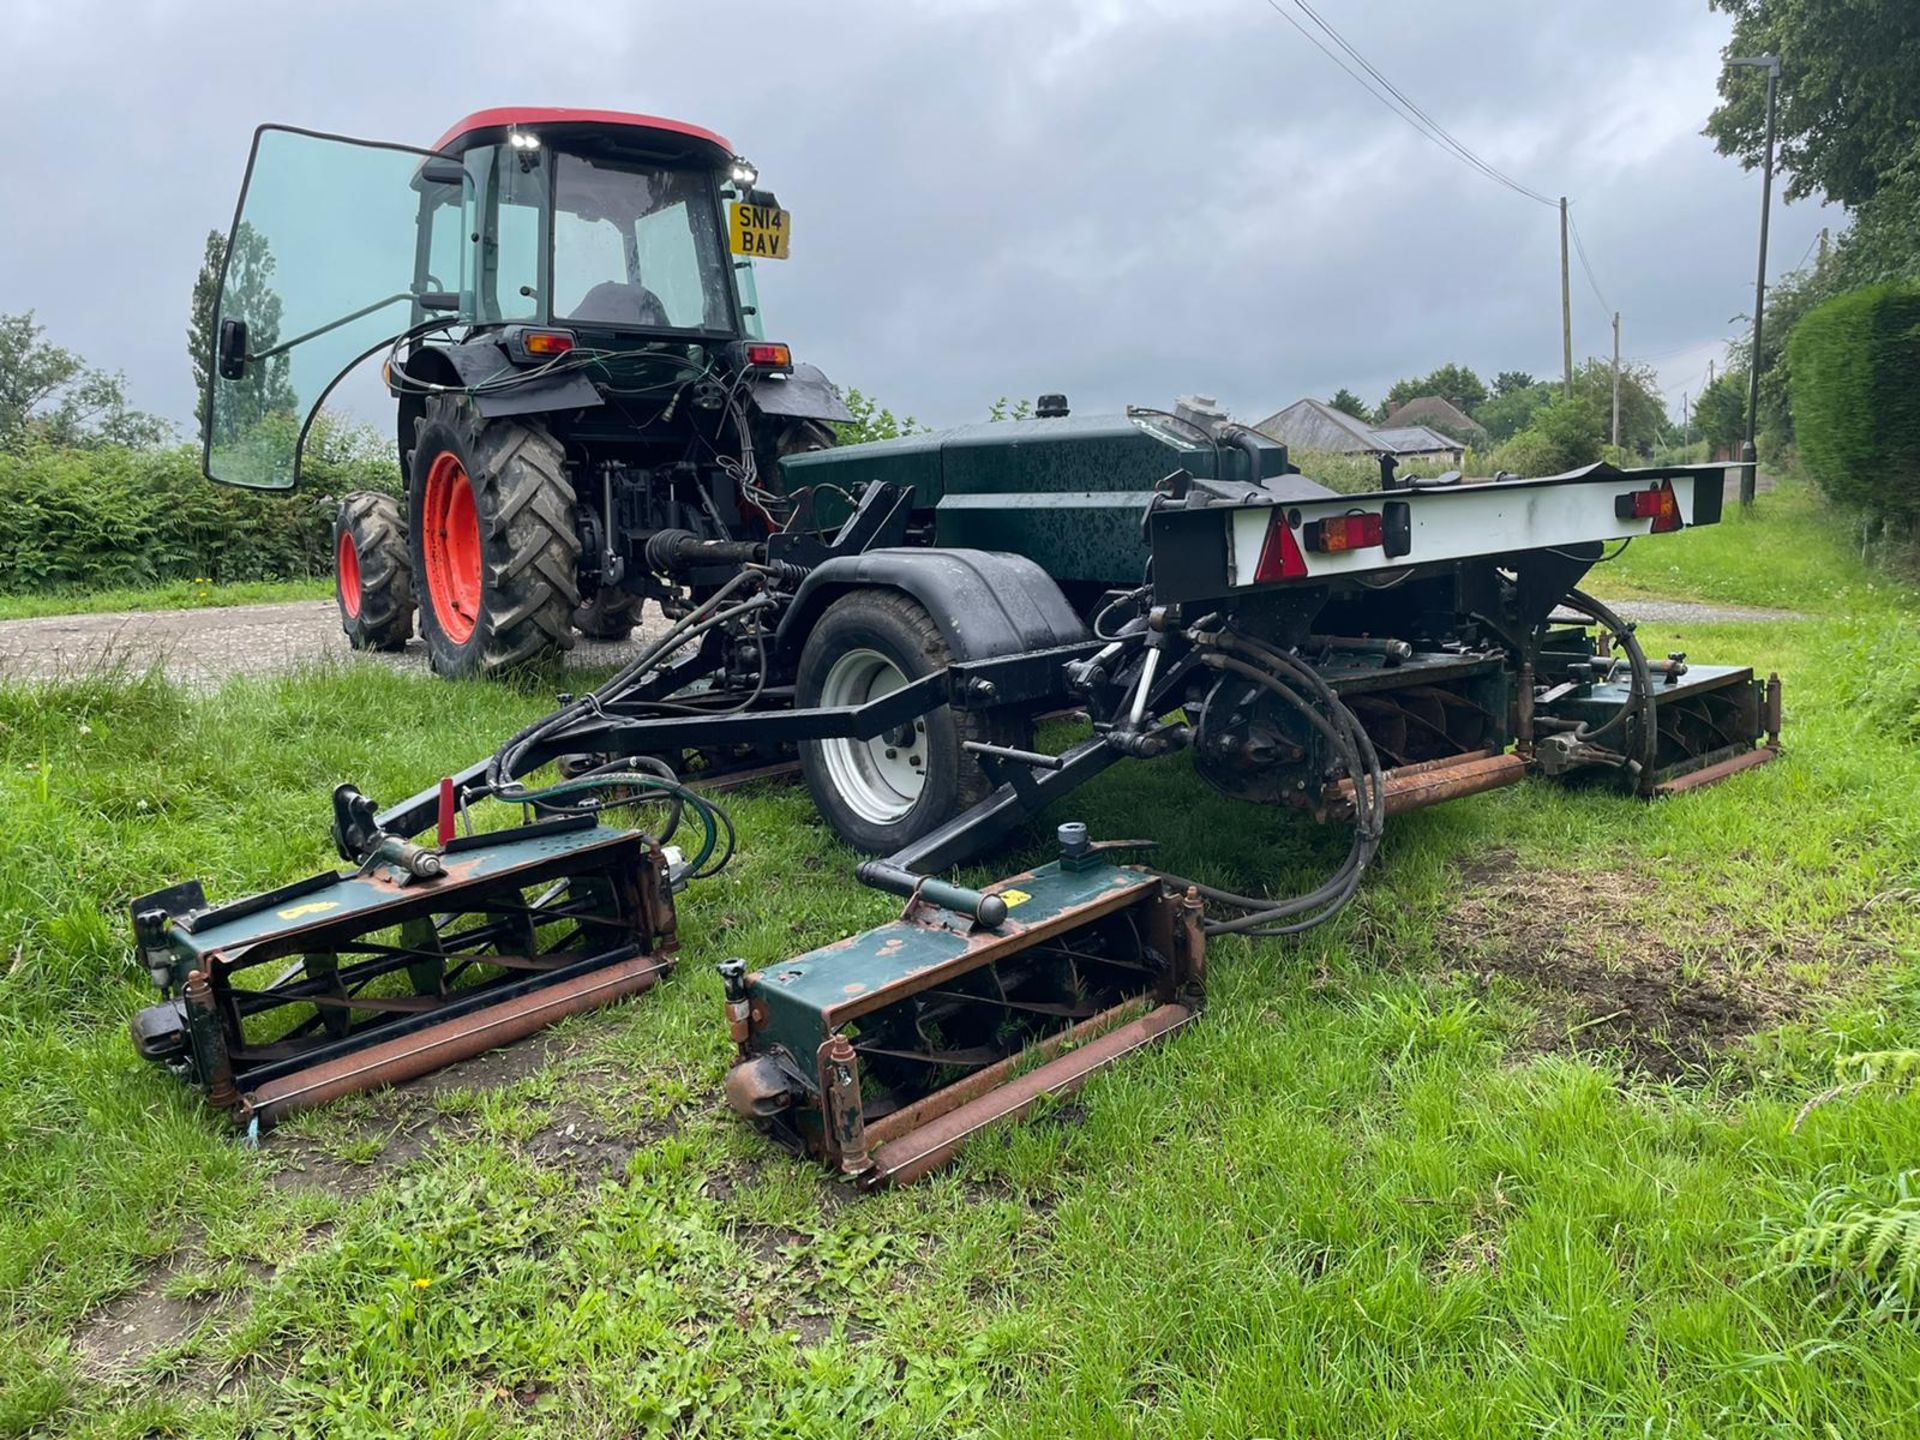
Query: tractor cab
(524, 243)
(561, 303)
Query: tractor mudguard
(985, 603)
(806, 394)
(482, 362)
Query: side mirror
(232, 358)
(442, 170)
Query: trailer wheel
(373, 572)
(880, 794)
(494, 544)
(610, 615)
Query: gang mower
(894, 620)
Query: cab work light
(1657, 503)
(1338, 533)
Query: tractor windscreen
(638, 247)
(334, 243)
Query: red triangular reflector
(1280, 557)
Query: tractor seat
(613, 302)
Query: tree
(49, 393)
(1004, 409)
(1451, 382)
(1849, 91)
(870, 421)
(1510, 382)
(1720, 414)
(1348, 403)
(250, 296)
(1854, 359)
(1643, 414)
(1567, 433)
(1506, 415)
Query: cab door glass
(512, 193)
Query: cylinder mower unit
(881, 1054)
(352, 981)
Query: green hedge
(107, 517)
(1856, 399)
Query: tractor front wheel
(373, 572)
(610, 615)
(881, 794)
(494, 545)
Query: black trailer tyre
(610, 615)
(373, 572)
(495, 553)
(880, 794)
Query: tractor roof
(610, 127)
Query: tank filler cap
(1050, 407)
(1201, 410)
(1073, 840)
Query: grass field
(1505, 1151)
(174, 595)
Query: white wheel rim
(879, 779)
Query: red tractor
(589, 413)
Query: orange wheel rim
(346, 572)
(451, 545)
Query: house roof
(1414, 439)
(1316, 425)
(1432, 410)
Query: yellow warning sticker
(1014, 897)
(312, 907)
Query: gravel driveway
(203, 647)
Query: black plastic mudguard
(806, 394)
(986, 603)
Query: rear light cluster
(545, 344)
(769, 356)
(1339, 533)
(1657, 503)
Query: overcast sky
(1123, 200)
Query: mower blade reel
(880, 1055)
(349, 982)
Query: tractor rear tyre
(495, 551)
(610, 615)
(373, 572)
(881, 794)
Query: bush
(1856, 407)
(107, 517)
(1565, 434)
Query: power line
(1424, 125)
(1587, 265)
(1452, 142)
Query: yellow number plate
(759, 232)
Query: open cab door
(338, 248)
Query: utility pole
(1749, 454)
(1616, 379)
(1686, 421)
(1566, 303)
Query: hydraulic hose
(1640, 703)
(1302, 689)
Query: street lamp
(1749, 453)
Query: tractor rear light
(546, 344)
(1280, 557)
(768, 356)
(1339, 533)
(1657, 503)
